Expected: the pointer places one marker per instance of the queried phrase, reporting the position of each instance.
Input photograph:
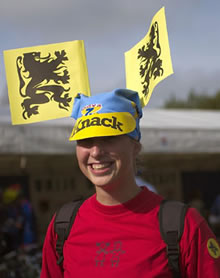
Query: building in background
(180, 154)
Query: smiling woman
(116, 231)
(106, 155)
(109, 163)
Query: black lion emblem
(43, 79)
(150, 64)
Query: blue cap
(107, 114)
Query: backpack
(171, 220)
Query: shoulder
(200, 251)
(196, 230)
(194, 220)
(50, 228)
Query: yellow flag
(43, 80)
(149, 61)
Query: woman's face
(107, 160)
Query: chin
(102, 181)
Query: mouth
(101, 166)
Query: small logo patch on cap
(213, 248)
(91, 109)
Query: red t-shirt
(124, 241)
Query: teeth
(100, 166)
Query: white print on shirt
(108, 253)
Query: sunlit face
(107, 160)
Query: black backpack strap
(171, 219)
(63, 222)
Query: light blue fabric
(119, 100)
(141, 182)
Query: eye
(86, 143)
(109, 139)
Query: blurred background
(180, 127)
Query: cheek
(82, 156)
(124, 159)
(129, 156)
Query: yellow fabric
(149, 61)
(213, 248)
(9, 195)
(43, 80)
(106, 124)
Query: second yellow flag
(149, 61)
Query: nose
(96, 150)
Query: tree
(195, 101)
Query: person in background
(214, 216)
(196, 201)
(116, 230)
(20, 225)
(3, 218)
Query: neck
(117, 193)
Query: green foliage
(195, 101)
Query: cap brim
(106, 124)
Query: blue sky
(110, 28)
